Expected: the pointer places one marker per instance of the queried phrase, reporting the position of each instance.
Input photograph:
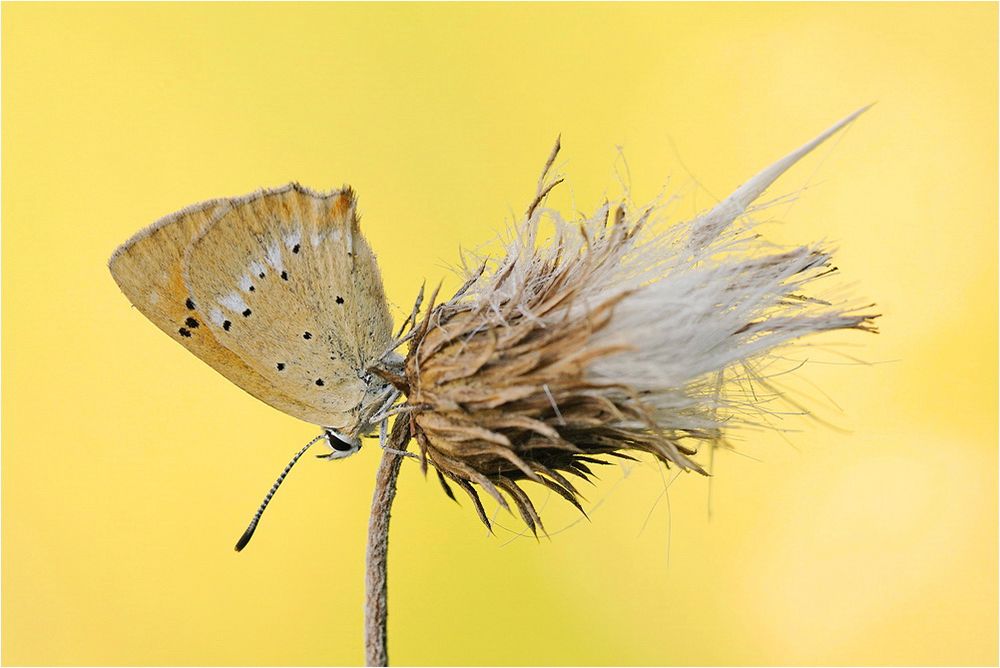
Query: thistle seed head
(616, 335)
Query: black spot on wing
(340, 300)
(246, 314)
(280, 366)
(226, 325)
(319, 381)
(284, 275)
(190, 304)
(307, 336)
(191, 322)
(183, 331)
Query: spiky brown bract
(618, 335)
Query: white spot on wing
(293, 238)
(315, 239)
(216, 317)
(274, 256)
(245, 284)
(234, 302)
(256, 268)
(154, 297)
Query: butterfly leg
(393, 411)
(383, 437)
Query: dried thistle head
(617, 335)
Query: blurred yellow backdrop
(129, 467)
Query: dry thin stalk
(376, 582)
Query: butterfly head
(341, 445)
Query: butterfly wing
(289, 284)
(196, 273)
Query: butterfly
(279, 292)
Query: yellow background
(130, 467)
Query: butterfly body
(278, 291)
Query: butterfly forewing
(149, 270)
(289, 284)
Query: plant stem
(376, 582)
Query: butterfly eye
(340, 443)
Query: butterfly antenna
(248, 534)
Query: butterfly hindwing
(289, 284)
